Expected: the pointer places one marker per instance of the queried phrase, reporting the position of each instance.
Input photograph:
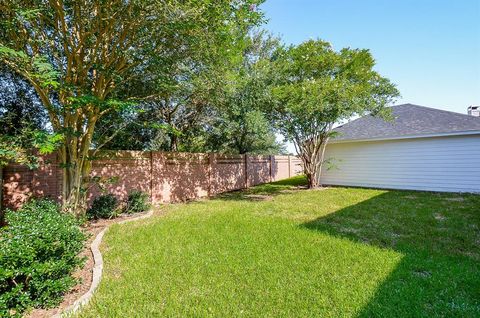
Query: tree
(83, 57)
(221, 107)
(183, 88)
(172, 112)
(242, 131)
(243, 124)
(319, 87)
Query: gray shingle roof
(409, 120)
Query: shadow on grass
(438, 234)
(265, 191)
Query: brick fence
(166, 177)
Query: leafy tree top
(319, 86)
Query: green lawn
(275, 251)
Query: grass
(279, 251)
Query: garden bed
(84, 274)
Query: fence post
(151, 177)
(211, 162)
(246, 170)
(271, 167)
(59, 174)
(289, 169)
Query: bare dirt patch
(423, 274)
(439, 217)
(287, 191)
(320, 188)
(259, 197)
(457, 199)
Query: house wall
(450, 164)
(167, 177)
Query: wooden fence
(166, 177)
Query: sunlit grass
(279, 251)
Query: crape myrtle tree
(318, 87)
(81, 58)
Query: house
(421, 149)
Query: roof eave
(446, 134)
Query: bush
(137, 201)
(103, 207)
(38, 252)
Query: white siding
(435, 164)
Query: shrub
(103, 207)
(38, 252)
(137, 201)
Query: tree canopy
(231, 117)
(318, 87)
(195, 75)
(86, 59)
(242, 121)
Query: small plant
(137, 201)
(103, 207)
(39, 249)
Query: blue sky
(430, 49)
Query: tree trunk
(76, 170)
(312, 176)
(75, 187)
(312, 181)
(173, 143)
(312, 155)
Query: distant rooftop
(409, 120)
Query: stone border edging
(97, 269)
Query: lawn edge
(97, 268)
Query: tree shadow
(20, 183)
(266, 191)
(439, 236)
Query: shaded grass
(279, 251)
